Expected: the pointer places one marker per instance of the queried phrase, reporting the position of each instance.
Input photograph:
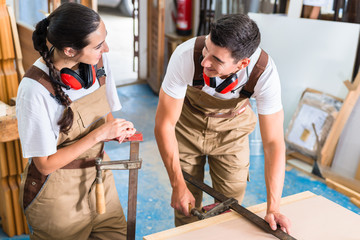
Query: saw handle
(100, 198)
(99, 189)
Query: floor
(154, 213)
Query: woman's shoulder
(31, 89)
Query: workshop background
(313, 56)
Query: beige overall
(62, 204)
(217, 129)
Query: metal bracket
(118, 165)
(220, 208)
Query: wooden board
(30, 55)
(8, 123)
(328, 150)
(8, 219)
(308, 212)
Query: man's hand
(276, 218)
(180, 199)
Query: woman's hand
(118, 129)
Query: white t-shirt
(180, 72)
(38, 113)
(318, 3)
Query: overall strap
(199, 45)
(248, 89)
(100, 72)
(258, 69)
(39, 75)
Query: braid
(39, 40)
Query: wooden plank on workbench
(8, 123)
(213, 221)
(318, 226)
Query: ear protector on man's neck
(226, 86)
(85, 79)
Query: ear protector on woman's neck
(85, 79)
(226, 86)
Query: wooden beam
(342, 189)
(30, 55)
(328, 150)
(355, 201)
(357, 174)
(15, 34)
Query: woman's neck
(60, 61)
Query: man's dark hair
(236, 32)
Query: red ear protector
(86, 78)
(226, 86)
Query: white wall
(309, 54)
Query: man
(204, 112)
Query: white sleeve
(267, 91)
(111, 91)
(180, 70)
(34, 123)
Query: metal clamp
(117, 165)
(220, 208)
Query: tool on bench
(218, 209)
(252, 217)
(132, 164)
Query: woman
(64, 117)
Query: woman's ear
(69, 52)
(243, 63)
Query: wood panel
(156, 39)
(30, 55)
(328, 150)
(15, 34)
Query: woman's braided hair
(67, 26)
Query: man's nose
(205, 62)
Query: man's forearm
(168, 148)
(274, 175)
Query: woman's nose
(105, 47)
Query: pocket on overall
(36, 185)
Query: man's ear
(69, 52)
(243, 63)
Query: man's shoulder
(186, 47)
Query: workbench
(312, 217)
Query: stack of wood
(11, 161)
(339, 157)
(340, 153)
